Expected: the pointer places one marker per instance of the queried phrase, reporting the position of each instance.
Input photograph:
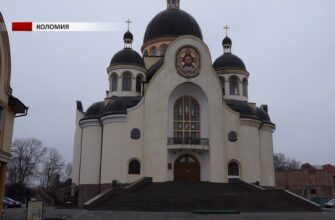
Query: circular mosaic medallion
(188, 62)
(232, 136)
(135, 134)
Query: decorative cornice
(268, 127)
(232, 71)
(126, 66)
(250, 122)
(89, 123)
(113, 118)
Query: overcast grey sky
(287, 45)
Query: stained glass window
(187, 121)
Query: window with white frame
(126, 81)
(245, 87)
(114, 79)
(134, 167)
(233, 170)
(139, 80)
(163, 49)
(153, 51)
(233, 85)
(223, 81)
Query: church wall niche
(194, 91)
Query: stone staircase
(188, 196)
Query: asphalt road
(79, 214)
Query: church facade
(173, 114)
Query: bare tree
(293, 164)
(281, 162)
(27, 154)
(52, 167)
(67, 172)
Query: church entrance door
(186, 168)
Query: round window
(232, 136)
(135, 134)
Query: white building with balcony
(173, 114)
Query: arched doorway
(187, 168)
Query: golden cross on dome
(226, 28)
(129, 22)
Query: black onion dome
(246, 111)
(127, 56)
(172, 23)
(227, 40)
(95, 110)
(229, 61)
(128, 36)
(119, 105)
(242, 107)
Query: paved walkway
(79, 214)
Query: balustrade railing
(188, 141)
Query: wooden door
(186, 168)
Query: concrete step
(188, 196)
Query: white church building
(173, 114)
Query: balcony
(198, 144)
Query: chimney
(265, 108)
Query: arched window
(233, 85)
(223, 86)
(146, 53)
(126, 81)
(245, 87)
(163, 49)
(114, 79)
(139, 80)
(233, 170)
(186, 121)
(134, 167)
(153, 51)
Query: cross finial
(226, 28)
(129, 22)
